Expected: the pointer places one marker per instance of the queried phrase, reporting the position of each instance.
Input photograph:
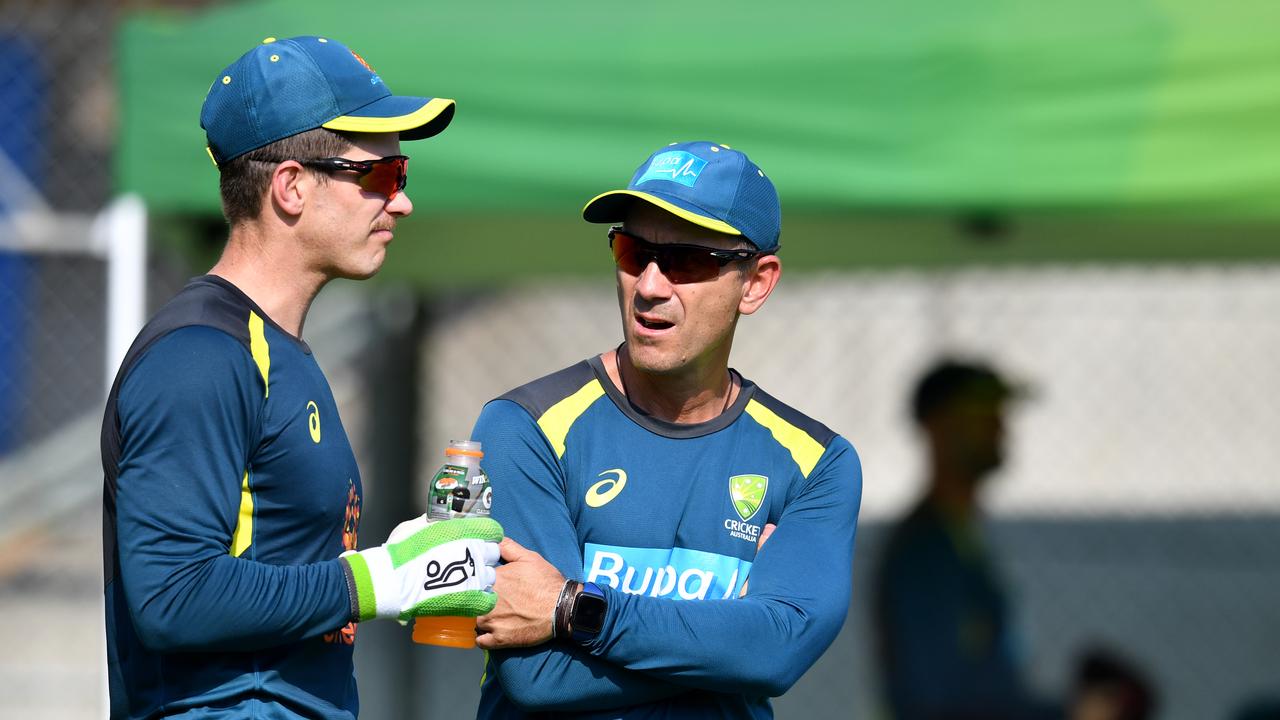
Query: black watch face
(588, 613)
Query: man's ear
(289, 187)
(762, 278)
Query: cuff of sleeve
(360, 587)
(599, 644)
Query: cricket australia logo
(674, 165)
(747, 493)
(373, 80)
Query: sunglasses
(679, 263)
(385, 176)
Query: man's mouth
(653, 323)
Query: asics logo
(603, 492)
(313, 421)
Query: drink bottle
(459, 489)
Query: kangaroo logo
(455, 573)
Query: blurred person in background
(946, 643)
(945, 638)
(231, 489)
(1108, 687)
(650, 475)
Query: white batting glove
(437, 568)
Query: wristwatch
(586, 618)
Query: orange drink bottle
(459, 489)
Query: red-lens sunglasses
(385, 176)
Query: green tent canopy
(1098, 105)
(1164, 110)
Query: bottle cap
(469, 448)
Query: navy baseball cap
(283, 87)
(708, 184)
(950, 380)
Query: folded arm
(654, 648)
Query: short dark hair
(243, 180)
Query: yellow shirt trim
(243, 536)
(260, 350)
(804, 449)
(557, 420)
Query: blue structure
(22, 93)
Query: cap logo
(674, 165)
(373, 80)
(362, 62)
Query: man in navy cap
(230, 486)
(638, 487)
(945, 638)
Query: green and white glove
(438, 568)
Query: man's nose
(653, 283)
(400, 205)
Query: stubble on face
(669, 328)
(356, 226)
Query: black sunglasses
(680, 263)
(386, 176)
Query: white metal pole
(120, 234)
(122, 231)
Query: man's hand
(437, 568)
(528, 587)
(764, 535)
